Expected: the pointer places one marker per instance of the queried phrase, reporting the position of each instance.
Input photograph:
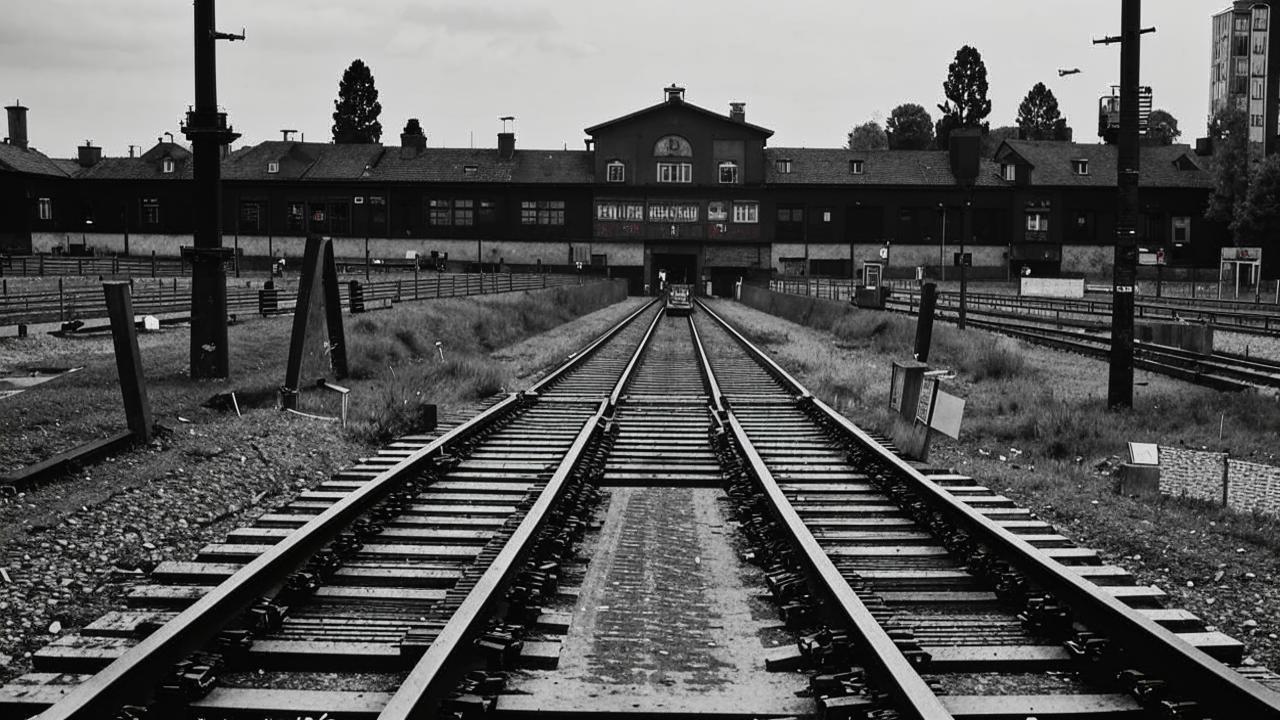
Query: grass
(1036, 428)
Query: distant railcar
(680, 300)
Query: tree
(1229, 131)
(1257, 218)
(967, 105)
(993, 139)
(867, 136)
(909, 128)
(356, 111)
(1039, 117)
(1162, 127)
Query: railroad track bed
(669, 525)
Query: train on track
(679, 300)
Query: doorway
(680, 269)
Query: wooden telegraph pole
(208, 131)
(1124, 276)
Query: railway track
(1221, 371)
(591, 532)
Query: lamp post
(942, 247)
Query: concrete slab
(666, 620)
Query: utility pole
(207, 130)
(1124, 277)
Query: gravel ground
(70, 550)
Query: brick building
(672, 186)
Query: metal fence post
(61, 309)
(1226, 479)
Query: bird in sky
(1063, 73)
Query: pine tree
(909, 128)
(356, 111)
(967, 105)
(1039, 117)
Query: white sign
(1144, 453)
(1249, 254)
(948, 411)
(884, 253)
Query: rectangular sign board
(1144, 453)
(1249, 254)
(948, 411)
(924, 408)
(896, 387)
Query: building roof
(594, 129)
(149, 166)
(442, 165)
(831, 166)
(29, 161)
(1051, 164)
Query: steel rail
(191, 629)
(420, 694)
(580, 356)
(892, 671)
(423, 689)
(629, 370)
(1149, 643)
(708, 377)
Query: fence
(174, 296)
(39, 265)
(1216, 477)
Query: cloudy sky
(118, 72)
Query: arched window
(672, 146)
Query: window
(1080, 167)
(669, 172)
(542, 212)
(672, 146)
(826, 216)
(855, 167)
(717, 211)
(45, 208)
(250, 217)
(783, 166)
(438, 213)
(167, 165)
(340, 218)
(1242, 66)
(1259, 18)
(790, 214)
(273, 167)
(1242, 24)
(1257, 120)
(470, 169)
(613, 210)
(1037, 221)
(488, 213)
(1259, 44)
(464, 213)
(673, 212)
(728, 173)
(150, 211)
(746, 212)
(377, 211)
(615, 172)
(1181, 230)
(1009, 172)
(295, 217)
(1258, 89)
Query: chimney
(413, 141)
(738, 112)
(965, 149)
(507, 138)
(17, 125)
(675, 94)
(287, 134)
(89, 155)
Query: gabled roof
(32, 162)
(444, 165)
(831, 166)
(1051, 164)
(148, 166)
(681, 104)
(251, 163)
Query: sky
(119, 72)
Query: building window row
(741, 211)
